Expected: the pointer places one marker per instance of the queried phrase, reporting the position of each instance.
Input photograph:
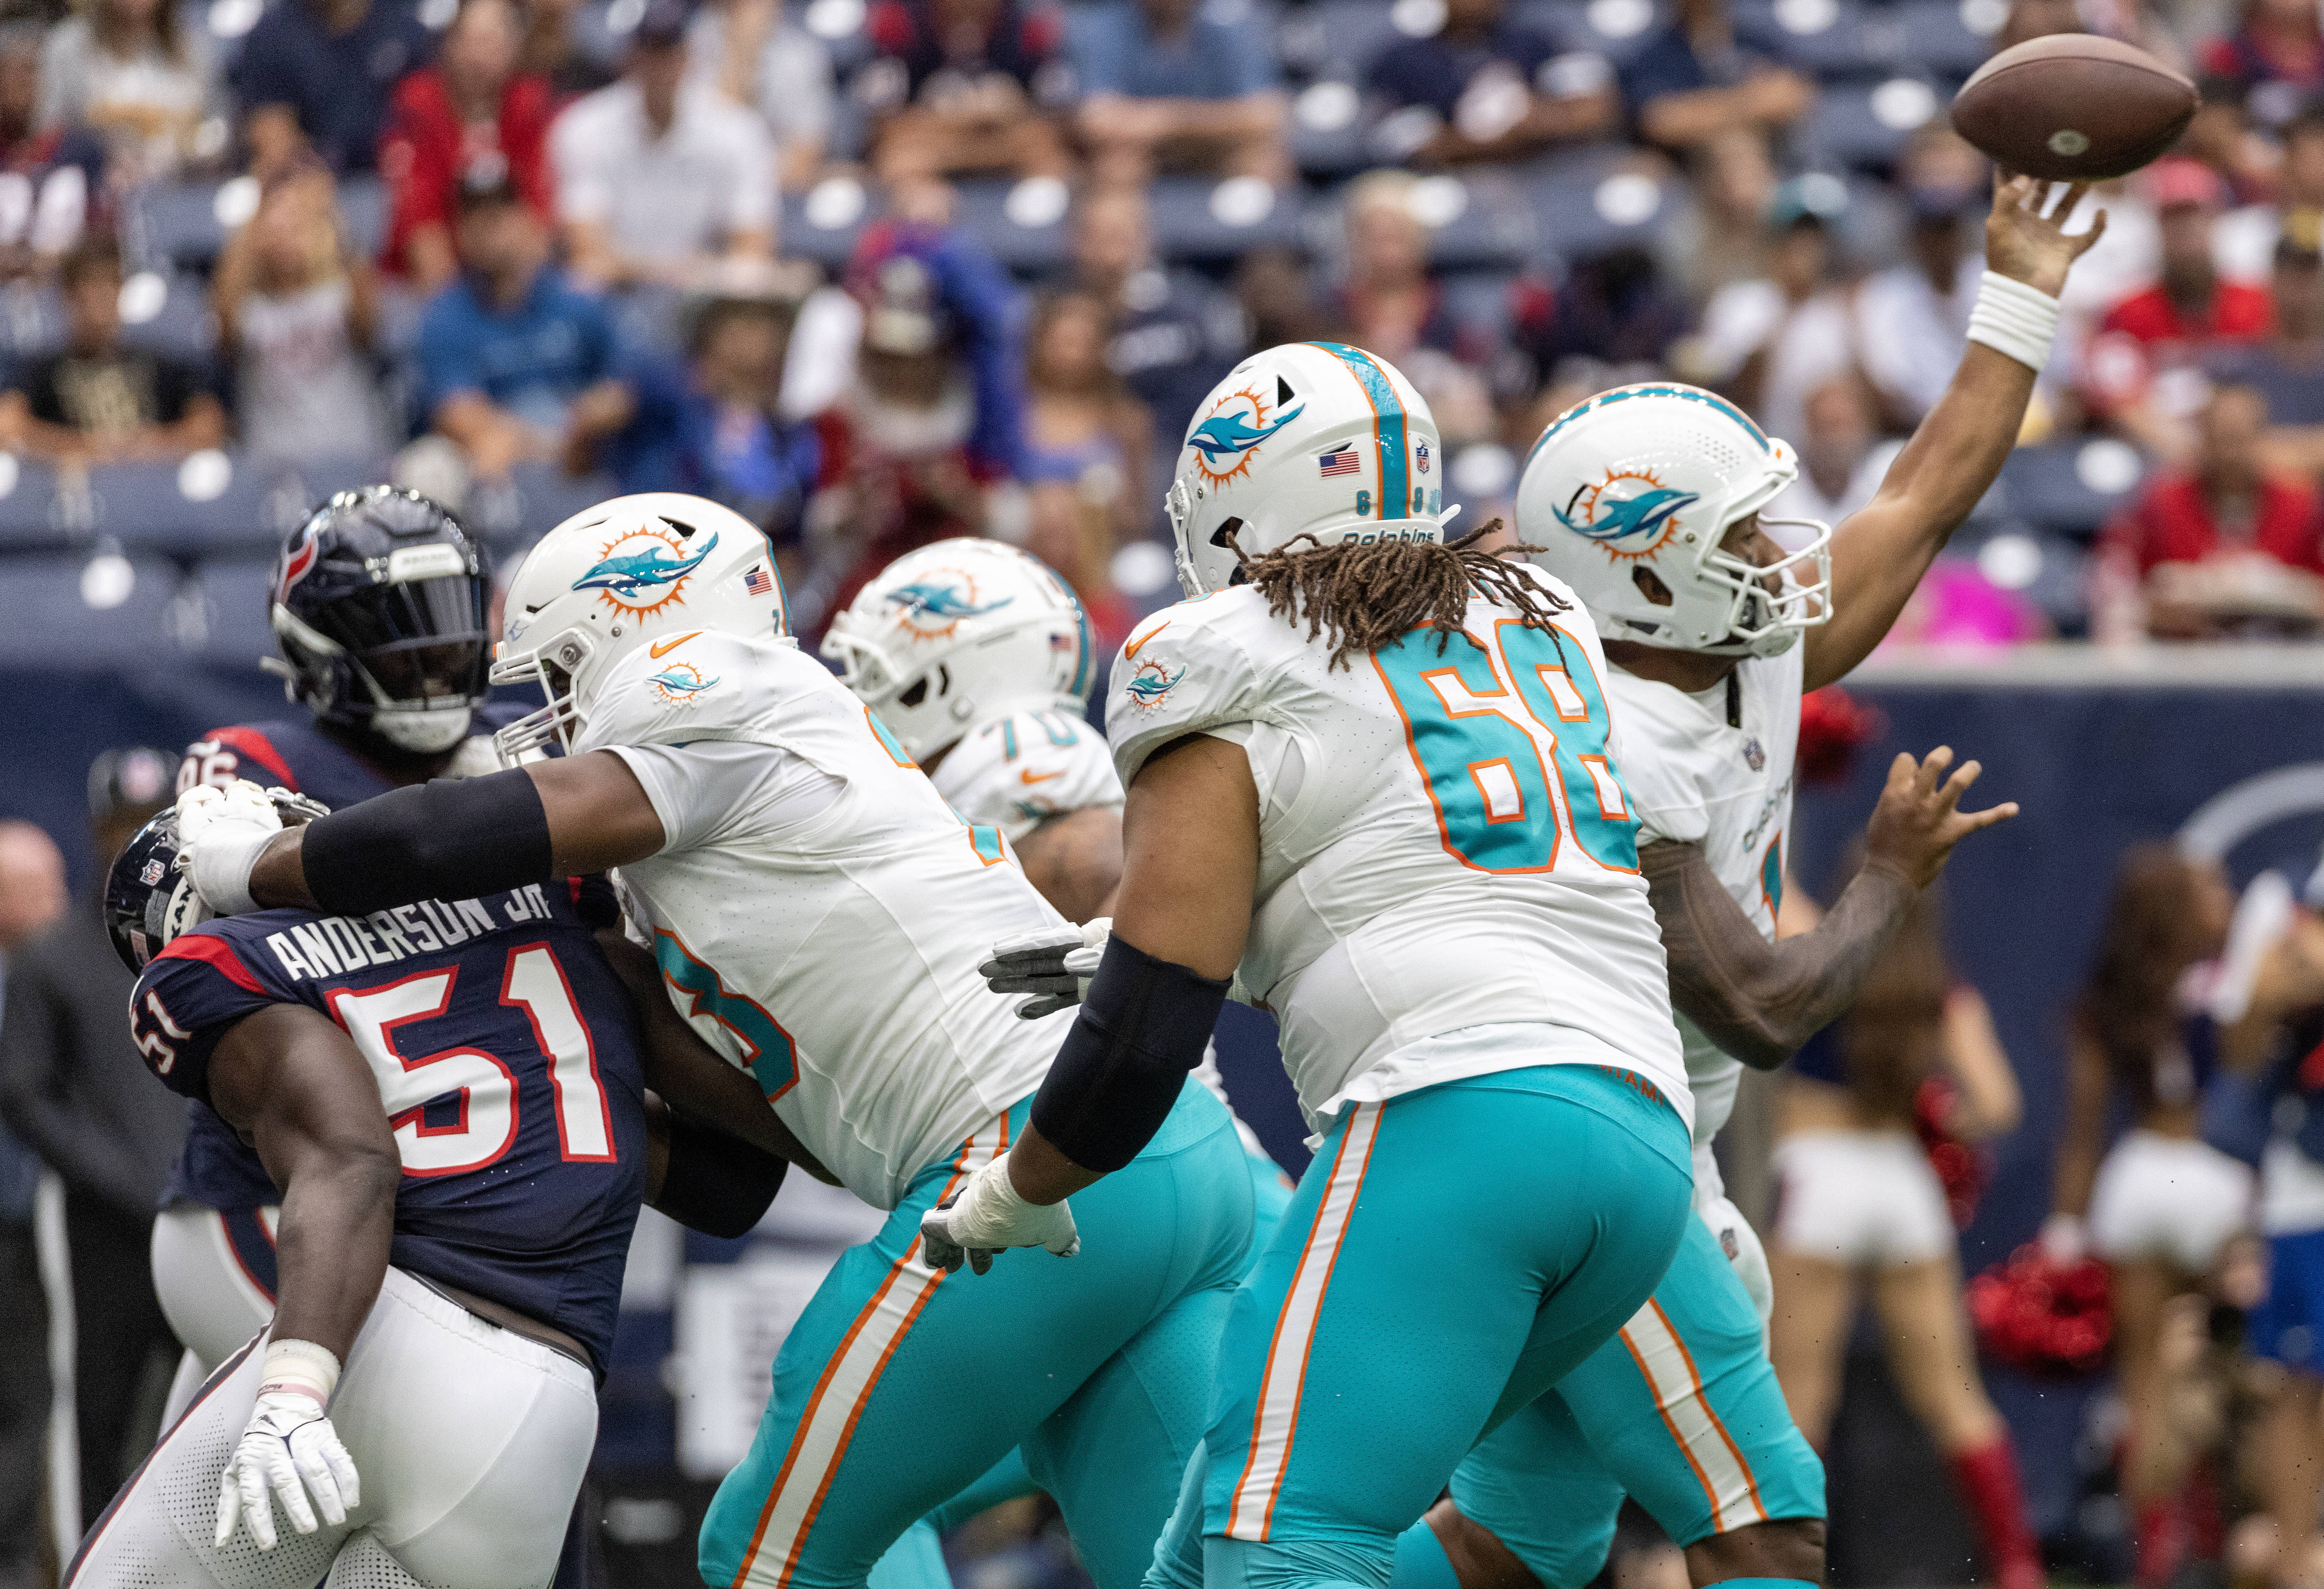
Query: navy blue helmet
(381, 605)
(149, 894)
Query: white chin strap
(424, 731)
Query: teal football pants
(1449, 1255)
(901, 1385)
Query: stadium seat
(1337, 38)
(983, 210)
(48, 588)
(29, 513)
(238, 596)
(1495, 228)
(180, 326)
(173, 222)
(2067, 487)
(1826, 39)
(144, 505)
(810, 232)
(1186, 229)
(1588, 202)
(1865, 126)
(1937, 39)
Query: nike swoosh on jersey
(1139, 644)
(1029, 776)
(662, 648)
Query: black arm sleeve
(448, 839)
(717, 1184)
(1142, 1028)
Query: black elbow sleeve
(448, 839)
(1141, 1030)
(717, 1184)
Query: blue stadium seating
(2043, 485)
(1578, 213)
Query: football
(2074, 107)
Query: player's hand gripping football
(2027, 239)
(290, 1447)
(987, 1215)
(1054, 965)
(1919, 818)
(220, 832)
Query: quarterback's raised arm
(1760, 1001)
(444, 840)
(1879, 553)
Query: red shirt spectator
(2237, 311)
(2188, 311)
(2278, 41)
(468, 112)
(2174, 522)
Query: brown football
(2074, 107)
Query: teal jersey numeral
(772, 1059)
(1485, 726)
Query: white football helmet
(1629, 495)
(1305, 438)
(613, 577)
(960, 632)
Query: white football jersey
(818, 912)
(1696, 778)
(1016, 772)
(1444, 842)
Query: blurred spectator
(2243, 240)
(50, 177)
(1084, 429)
(1174, 335)
(1913, 318)
(97, 402)
(1612, 308)
(2287, 368)
(2276, 42)
(1499, 89)
(2140, 372)
(966, 86)
(1842, 459)
(1391, 306)
(1276, 288)
(2222, 546)
(1768, 343)
(708, 424)
(933, 422)
(297, 309)
(32, 896)
(2222, 137)
(1722, 233)
(751, 52)
(470, 110)
(1181, 85)
(1089, 454)
(320, 74)
(134, 73)
(553, 49)
(74, 1089)
(657, 175)
(510, 351)
(1691, 82)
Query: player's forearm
(1757, 1000)
(331, 1247)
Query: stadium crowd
(881, 274)
(876, 274)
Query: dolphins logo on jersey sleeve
(678, 683)
(1629, 513)
(1151, 685)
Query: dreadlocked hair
(1366, 597)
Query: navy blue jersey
(214, 1168)
(506, 1053)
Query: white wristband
(299, 1366)
(2014, 320)
(222, 866)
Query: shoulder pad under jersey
(704, 685)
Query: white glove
(220, 833)
(985, 1215)
(1055, 965)
(290, 1447)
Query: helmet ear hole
(914, 695)
(1224, 536)
(1650, 586)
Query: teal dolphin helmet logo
(639, 565)
(1237, 423)
(1627, 505)
(925, 599)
